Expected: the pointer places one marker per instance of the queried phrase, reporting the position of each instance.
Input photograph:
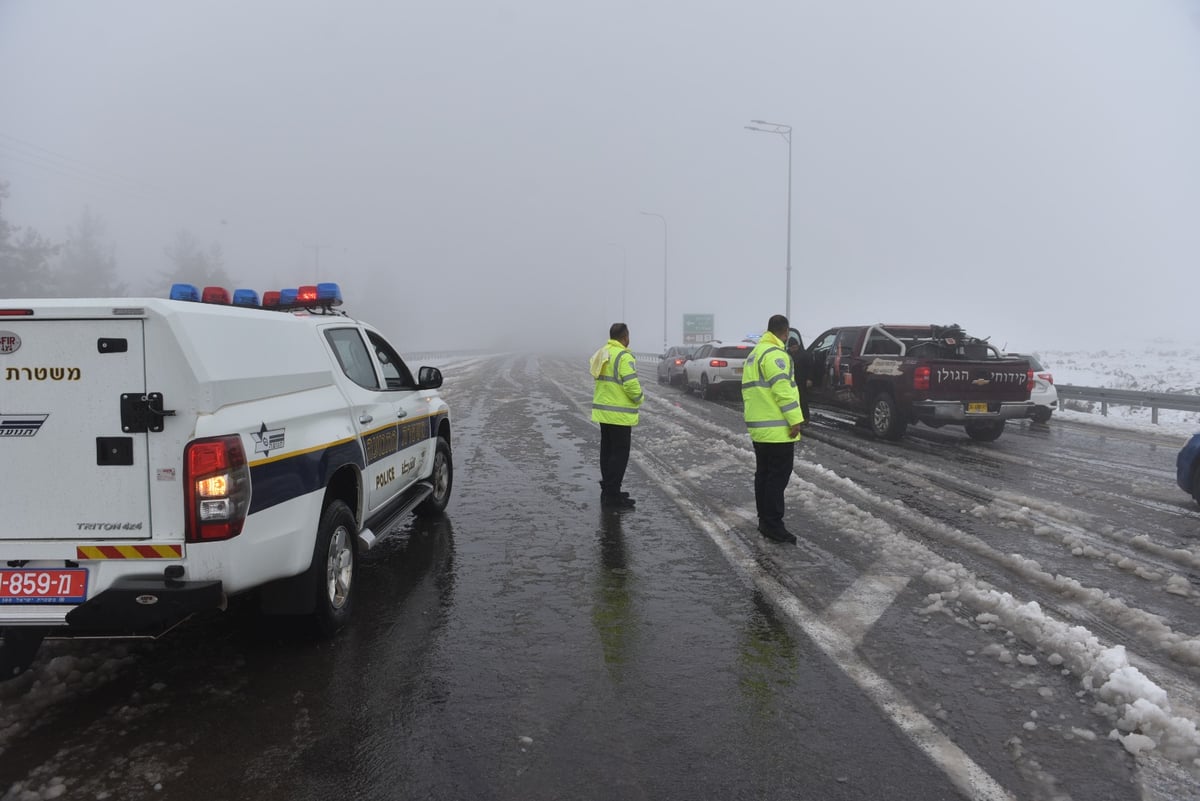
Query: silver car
(716, 369)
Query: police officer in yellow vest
(771, 406)
(615, 403)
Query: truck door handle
(365, 418)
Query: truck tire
(985, 432)
(18, 648)
(885, 417)
(332, 570)
(1196, 485)
(1041, 414)
(442, 479)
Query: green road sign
(697, 328)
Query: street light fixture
(786, 132)
(624, 274)
(664, 222)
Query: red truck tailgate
(991, 381)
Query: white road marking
(857, 609)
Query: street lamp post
(664, 222)
(624, 275)
(786, 132)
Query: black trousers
(614, 456)
(772, 471)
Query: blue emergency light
(245, 297)
(185, 292)
(287, 297)
(329, 294)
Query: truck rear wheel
(1196, 485)
(885, 418)
(985, 432)
(442, 479)
(332, 568)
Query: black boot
(776, 533)
(616, 501)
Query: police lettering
(385, 478)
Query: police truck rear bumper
(143, 605)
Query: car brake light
(718, 363)
(216, 488)
(678, 362)
(1029, 384)
(1047, 377)
(921, 377)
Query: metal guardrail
(1129, 397)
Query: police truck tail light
(718, 363)
(1029, 382)
(216, 488)
(921, 377)
(1047, 377)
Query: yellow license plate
(977, 408)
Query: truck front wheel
(985, 432)
(885, 417)
(442, 480)
(332, 570)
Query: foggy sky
(473, 173)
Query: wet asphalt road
(532, 645)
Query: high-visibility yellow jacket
(618, 393)
(770, 400)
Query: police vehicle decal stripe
(275, 481)
(314, 449)
(278, 479)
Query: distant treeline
(84, 264)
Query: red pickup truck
(893, 375)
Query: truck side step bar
(367, 536)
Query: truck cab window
(395, 371)
(352, 355)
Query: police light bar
(215, 294)
(270, 299)
(245, 297)
(185, 292)
(287, 297)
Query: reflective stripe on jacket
(771, 402)
(618, 393)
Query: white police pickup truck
(160, 455)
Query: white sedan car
(1044, 395)
(716, 369)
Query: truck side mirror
(429, 378)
